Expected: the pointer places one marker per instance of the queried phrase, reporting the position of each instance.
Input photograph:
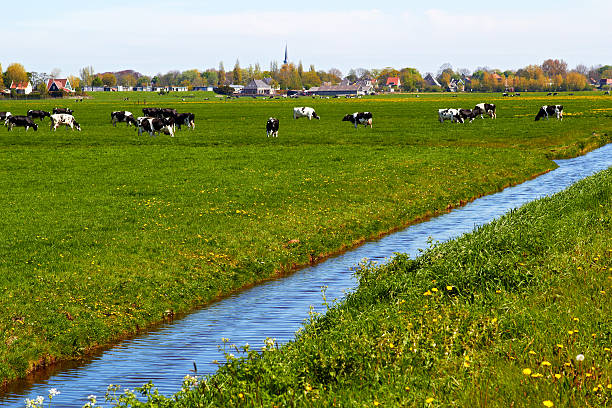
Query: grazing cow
(449, 114)
(187, 119)
(40, 114)
(122, 116)
(547, 110)
(19, 120)
(304, 111)
(483, 108)
(361, 118)
(155, 125)
(4, 116)
(59, 119)
(151, 112)
(466, 114)
(63, 110)
(272, 127)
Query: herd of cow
(60, 116)
(461, 115)
(165, 120)
(156, 120)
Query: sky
(159, 36)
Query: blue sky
(154, 36)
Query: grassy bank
(515, 314)
(104, 233)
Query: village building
(22, 88)
(431, 81)
(342, 89)
(257, 87)
(58, 85)
(393, 83)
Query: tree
(41, 88)
(300, 69)
(335, 75)
(237, 74)
(1, 78)
(109, 79)
(16, 73)
(553, 67)
(97, 81)
(143, 80)
(221, 73)
(575, 81)
(310, 79)
(74, 81)
(87, 75)
(581, 69)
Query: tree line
(552, 74)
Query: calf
(19, 120)
(63, 110)
(304, 111)
(40, 114)
(187, 119)
(548, 110)
(483, 108)
(155, 125)
(449, 114)
(59, 119)
(122, 116)
(272, 127)
(361, 118)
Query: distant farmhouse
(58, 85)
(23, 88)
(343, 88)
(431, 81)
(393, 83)
(257, 87)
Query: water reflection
(274, 309)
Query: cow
(63, 110)
(548, 110)
(20, 120)
(187, 119)
(40, 114)
(466, 114)
(4, 116)
(151, 112)
(272, 127)
(449, 114)
(359, 118)
(155, 125)
(483, 108)
(304, 111)
(59, 119)
(122, 116)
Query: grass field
(104, 232)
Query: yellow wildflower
(545, 363)
(548, 403)
(429, 400)
(532, 352)
(558, 376)
(527, 371)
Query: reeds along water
(277, 308)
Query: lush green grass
(105, 232)
(496, 318)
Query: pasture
(105, 232)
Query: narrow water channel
(275, 309)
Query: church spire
(286, 61)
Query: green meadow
(104, 233)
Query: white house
(24, 88)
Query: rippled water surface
(274, 309)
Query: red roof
(60, 83)
(393, 81)
(20, 85)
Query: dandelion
(241, 395)
(560, 346)
(376, 403)
(558, 376)
(308, 388)
(429, 400)
(449, 287)
(580, 357)
(434, 289)
(548, 403)
(545, 363)
(407, 388)
(532, 352)
(527, 371)
(428, 293)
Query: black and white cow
(151, 112)
(187, 119)
(155, 125)
(20, 120)
(272, 127)
(304, 111)
(66, 119)
(483, 108)
(466, 114)
(359, 118)
(449, 114)
(63, 110)
(122, 116)
(40, 114)
(547, 110)
(4, 116)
